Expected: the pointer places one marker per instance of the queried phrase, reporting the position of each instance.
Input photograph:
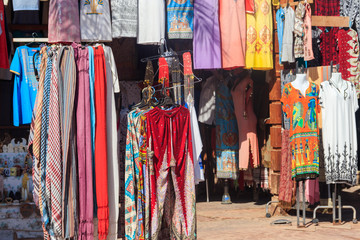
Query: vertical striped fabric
(43, 143)
(34, 137)
(67, 85)
(54, 160)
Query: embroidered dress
(227, 136)
(95, 22)
(124, 18)
(339, 104)
(299, 31)
(180, 14)
(169, 133)
(259, 39)
(304, 140)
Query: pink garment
(233, 33)
(64, 23)
(86, 227)
(312, 193)
(308, 51)
(246, 119)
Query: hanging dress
(304, 133)
(64, 25)
(227, 136)
(206, 43)
(124, 15)
(233, 33)
(151, 20)
(95, 21)
(339, 104)
(180, 15)
(247, 122)
(259, 38)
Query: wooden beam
(329, 21)
(292, 4)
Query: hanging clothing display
(280, 18)
(288, 40)
(95, 21)
(348, 57)
(206, 43)
(227, 136)
(242, 95)
(151, 21)
(233, 33)
(112, 84)
(4, 57)
(61, 142)
(338, 100)
(124, 15)
(286, 184)
(25, 83)
(65, 12)
(349, 9)
(304, 141)
(259, 43)
(180, 15)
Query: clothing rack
(152, 58)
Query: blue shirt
(25, 83)
(280, 17)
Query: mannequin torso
(337, 80)
(301, 83)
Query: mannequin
(301, 83)
(337, 80)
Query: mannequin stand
(298, 204)
(336, 220)
(226, 196)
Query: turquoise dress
(227, 137)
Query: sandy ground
(247, 220)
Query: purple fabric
(86, 228)
(206, 40)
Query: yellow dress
(259, 43)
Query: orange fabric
(303, 112)
(101, 173)
(233, 33)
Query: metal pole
(340, 207)
(334, 204)
(303, 204)
(297, 204)
(207, 190)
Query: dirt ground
(246, 220)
